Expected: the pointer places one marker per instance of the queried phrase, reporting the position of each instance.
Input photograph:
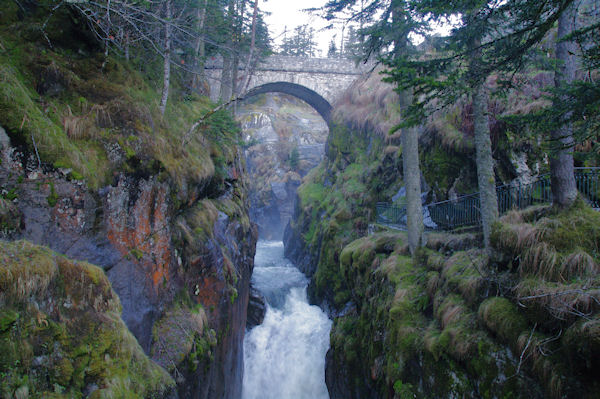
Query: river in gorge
(284, 357)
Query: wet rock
(4, 139)
(296, 249)
(256, 308)
(39, 361)
(522, 170)
(22, 392)
(279, 190)
(90, 389)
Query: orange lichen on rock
(209, 291)
(140, 231)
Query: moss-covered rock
(61, 334)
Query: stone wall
(327, 76)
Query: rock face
(285, 139)
(53, 311)
(296, 249)
(256, 308)
(165, 264)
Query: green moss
(579, 226)
(10, 195)
(8, 317)
(80, 344)
(502, 317)
(463, 272)
(556, 245)
(52, 198)
(108, 98)
(311, 193)
(137, 253)
(404, 390)
(442, 168)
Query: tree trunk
(562, 178)
(410, 150)
(167, 59)
(226, 78)
(247, 75)
(235, 65)
(236, 55)
(199, 49)
(485, 162)
(412, 180)
(226, 87)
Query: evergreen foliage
(301, 44)
(294, 158)
(184, 33)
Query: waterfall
(284, 357)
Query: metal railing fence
(464, 211)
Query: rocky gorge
(284, 140)
(128, 239)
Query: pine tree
(332, 52)
(492, 37)
(390, 34)
(294, 159)
(301, 44)
(564, 190)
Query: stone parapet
(283, 63)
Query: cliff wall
(92, 171)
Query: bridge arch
(309, 96)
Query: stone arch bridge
(317, 81)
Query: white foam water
(284, 357)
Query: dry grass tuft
(579, 263)
(79, 127)
(534, 350)
(400, 296)
(525, 236)
(556, 247)
(449, 313)
(391, 150)
(463, 271)
(564, 302)
(25, 270)
(584, 336)
(513, 217)
(433, 283)
(369, 104)
(444, 132)
(541, 260)
(449, 242)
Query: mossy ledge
(61, 334)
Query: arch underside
(311, 97)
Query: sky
(288, 13)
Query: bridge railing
(465, 210)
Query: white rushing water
(284, 357)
